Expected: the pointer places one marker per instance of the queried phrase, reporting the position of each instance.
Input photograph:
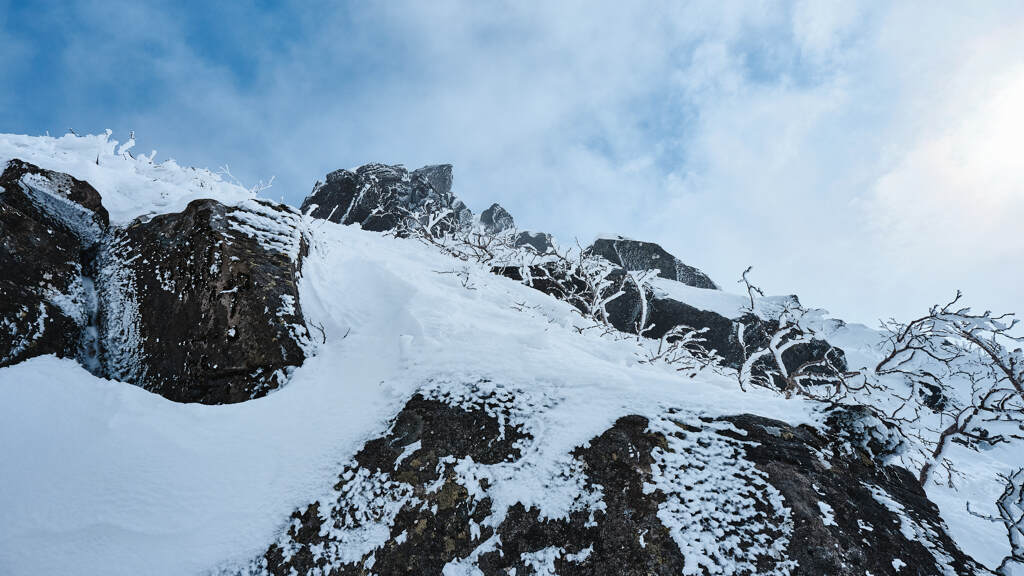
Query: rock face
(664, 494)
(625, 311)
(851, 516)
(635, 310)
(378, 197)
(202, 305)
(496, 219)
(636, 255)
(49, 224)
(539, 242)
(199, 306)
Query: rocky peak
(496, 219)
(378, 196)
(539, 242)
(439, 176)
(637, 255)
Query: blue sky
(863, 155)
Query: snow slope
(102, 477)
(109, 478)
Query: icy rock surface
(637, 255)
(49, 222)
(202, 305)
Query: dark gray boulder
(636, 255)
(49, 226)
(379, 197)
(539, 242)
(496, 219)
(624, 313)
(202, 305)
(439, 176)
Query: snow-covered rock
(539, 242)
(496, 219)
(635, 255)
(202, 305)
(379, 197)
(670, 493)
(198, 306)
(49, 224)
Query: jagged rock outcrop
(378, 197)
(667, 494)
(203, 305)
(49, 224)
(664, 314)
(199, 306)
(852, 515)
(539, 242)
(496, 220)
(637, 255)
(650, 313)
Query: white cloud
(950, 212)
(884, 184)
(861, 155)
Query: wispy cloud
(859, 154)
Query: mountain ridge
(438, 324)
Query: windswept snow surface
(104, 477)
(724, 303)
(131, 186)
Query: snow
(986, 541)
(275, 226)
(373, 502)
(828, 515)
(44, 193)
(107, 477)
(718, 301)
(543, 561)
(103, 477)
(720, 510)
(130, 186)
(117, 292)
